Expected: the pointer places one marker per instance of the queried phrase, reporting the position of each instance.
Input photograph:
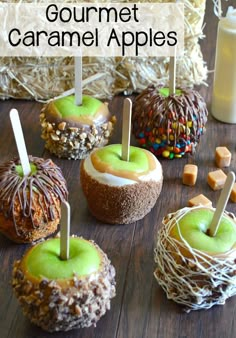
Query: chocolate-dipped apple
(30, 205)
(169, 125)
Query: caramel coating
(30, 205)
(62, 305)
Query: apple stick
(78, 80)
(84, 83)
(219, 9)
(65, 231)
(126, 128)
(20, 142)
(172, 73)
(221, 204)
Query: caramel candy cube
(222, 157)
(216, 179)
(233, 193)
(190, 174)
(199, 200)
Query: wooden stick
(20, 142)
(221, 204)
(172, 73)
(78, 80)
(126, 128)
(65, 231)
(84, 83)
(219, 9)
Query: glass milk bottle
(224, 87)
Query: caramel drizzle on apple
(69, 281)
(131, 175)
(47, 182)
(54, 115)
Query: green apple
(67, 108)
(43, 260)
(19, 169)
(139, 161)
(166, 91)
(194, 225)
(60, 295)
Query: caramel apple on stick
(31, 192)
(73, 276)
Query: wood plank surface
(140, 308)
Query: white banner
(96, 29)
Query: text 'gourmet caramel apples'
(30, 206)
(169, 125)
(118, 191)
(193, 268)
(63, 284)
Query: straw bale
(42, 78)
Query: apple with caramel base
(72, 131)
(59, 295)
(30, 206)
(117, 191)
(194, 269)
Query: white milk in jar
(224, 87)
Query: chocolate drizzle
(47, 184)
(180, 118)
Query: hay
(196, 280)
(43, 78)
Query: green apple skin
(19, 169)
(111, 155)
(194, 226)
(67, 107)
(166, 91)
(43, 260)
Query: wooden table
(140, 308)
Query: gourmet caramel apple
(72, 131)
(59, 295)
(120, 191)
(169, 125)
(30, 206)
(193, 268)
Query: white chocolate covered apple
(194, 269)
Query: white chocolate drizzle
(198, 280)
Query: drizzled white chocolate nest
(190, 277)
